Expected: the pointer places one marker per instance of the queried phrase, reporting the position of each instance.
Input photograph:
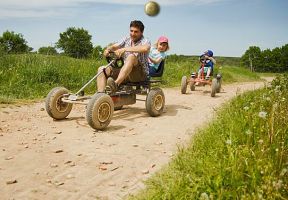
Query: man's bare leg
(130, 62)
(101, 79)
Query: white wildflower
(277, 184)
(246, 108)
(260, 141)
(262, 114)
(229, 142)
(248, 132)
(204, 196)
(277, 87)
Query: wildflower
(248, 132)
(262, 114)
(277, 184)
(229, 142)
(246, 108)
(260, 141)
(204, 196)
(277, 87)
(277, 150)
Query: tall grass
(242, 154)
(32, 76)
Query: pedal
(72, 97)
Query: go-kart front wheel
(99, 111)
(184, 84)
(155, 102)
(55, 107)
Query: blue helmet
(209, 53)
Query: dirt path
(45, 159)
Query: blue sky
(228, 27)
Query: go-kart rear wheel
(192, 84)
(99, 111)
(183, 85)
(219, 83)
(55, 107)
(155, 102)
(213, 87)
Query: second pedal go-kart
(100, 106)
(193, 81)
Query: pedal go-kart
(193, 81)
(100, 106)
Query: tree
(75, 42)
(97, 52)
(14, 43)
(252, 58)
(275, 60)
(47, 50)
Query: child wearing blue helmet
(208, 61)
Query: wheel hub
(104, 112)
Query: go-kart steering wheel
(118, 62)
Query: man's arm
(112, 47)
(136, 49)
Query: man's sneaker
(111, 85)
(207, 77)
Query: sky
(228, 27)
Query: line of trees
(74, 42)
(275, 60)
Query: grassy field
(242, 154)
(32, 76)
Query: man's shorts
(136, 75)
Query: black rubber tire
(219, 83)
(99, 111)
(56, 108)
(192, 84)
(155, 102)
(213, 87)
(184, 84)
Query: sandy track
(66, 159)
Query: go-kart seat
(159, 71)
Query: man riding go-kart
(125, 77)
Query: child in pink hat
(157, 54)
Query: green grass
(32, 76)
(175, 69)
(242, 154)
